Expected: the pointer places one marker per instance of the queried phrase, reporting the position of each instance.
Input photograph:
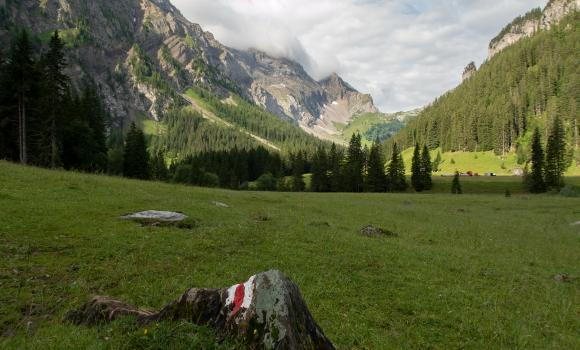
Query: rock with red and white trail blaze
(267, 312)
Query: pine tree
(320, 178)
(426, 169)
(298, 184)
(556, 156)
(158, 167)
(417, 177)
(376, 177)
(334, 166)
(136, 158)
(396, 172)
(353, 169)
(437, 162)
(95, 116)
(456, 185)
(55, 86)
(535, 179)
(21, 69)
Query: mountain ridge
(103, 36)
(532, 22)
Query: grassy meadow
(477, 162)
(466, 272)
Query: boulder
(155, 215)
(562, 277)
(266, 312)
(372, 231)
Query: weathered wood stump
(267, 312)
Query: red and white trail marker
(240, 296)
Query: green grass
(470, 271)
(361, 124)
(477, 162)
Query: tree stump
(266, 312)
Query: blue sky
(404, 52)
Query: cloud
(404, 52)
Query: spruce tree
(376, 177)
(396, 172)
(456, 185)
(135, 157)
(21, 70)
(334, 166)
(437, 162)
(417, 176)
(353, 169)
(556, 156)
(158, 167)
(535, 180)
(54, 88)
(298, 184)
(426, 169)
(320, 178)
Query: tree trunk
(24, 150)
(53, 146)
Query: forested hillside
(528, 84)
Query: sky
(405, 53)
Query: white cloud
(404, 52)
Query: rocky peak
(125, 45)
(556, 10)
(469, 71)
(336, 87)
(531, 23)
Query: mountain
(532, 22)
(526, 85)
(144, 54)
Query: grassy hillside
(525, 86)
(465, 272)
(477, 162)
(373, 125)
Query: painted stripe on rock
(240, 296)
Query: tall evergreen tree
(95, 116)
(535, 179)
(54, 88)
(426, 169)
(159, 168)
(298, 184)
(136, 158)
(22, 75)
(334, 166)
(456, 185)
(556, 156)
(376, 180)
(320, 178)
(417, 174)
(396, 172)
(353, 169)
(437, 162)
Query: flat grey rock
(220, 204)
(155, 215)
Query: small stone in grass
(372, 231)
(156, 215)
(220, 204)
(562, 277)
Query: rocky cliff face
(469, 71)
(532, 22)
(143, 53)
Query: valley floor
(470, 271)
